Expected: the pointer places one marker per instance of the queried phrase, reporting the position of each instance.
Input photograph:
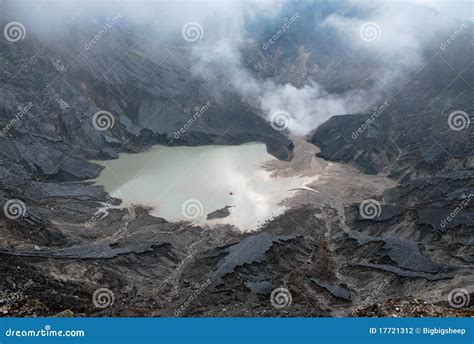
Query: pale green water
(187, 183)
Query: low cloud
(382, 30)
(371, 31)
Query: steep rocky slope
(50, 94)
(329, 259)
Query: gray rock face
(247, 251)
(329, 257)
(45, 148)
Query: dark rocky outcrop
(331, 260)
(219, 213)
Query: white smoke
(405, 30)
